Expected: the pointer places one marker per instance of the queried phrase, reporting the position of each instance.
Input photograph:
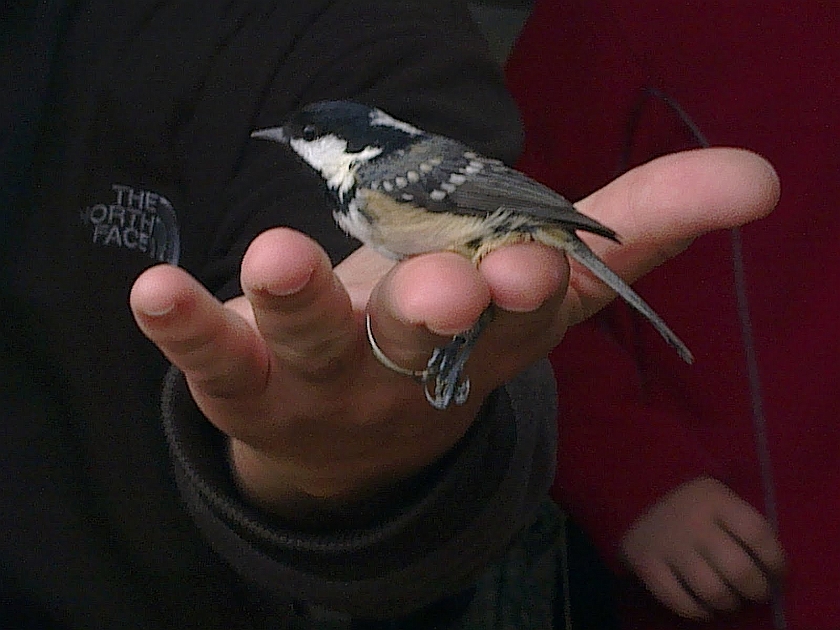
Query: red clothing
(635, 421)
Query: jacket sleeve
(434, 540)
(421, 61)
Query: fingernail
(291, 286)
(158, 308)
(444, 331)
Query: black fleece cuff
(433, 542)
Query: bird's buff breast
(399, 230)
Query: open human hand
(702, 550)
(286, 370)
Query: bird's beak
(275, 134)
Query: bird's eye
(309, 133)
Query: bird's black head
(360, 126)
(335, 136)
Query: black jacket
(117, 507)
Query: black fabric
(441, 504)
(26, 54)
(142, 155)
(591, 597)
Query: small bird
(403, 191)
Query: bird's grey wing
(445, 176)
(498, 186)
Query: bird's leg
(446, 365)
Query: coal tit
(403, 192)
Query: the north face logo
(135, 219)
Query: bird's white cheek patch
(323, 154)
(328, 155)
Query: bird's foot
(443, 383)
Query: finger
(665, 584)
(659, 207)
(737, 567)
(706, 581)
(422, 302)
(756, 536)
(527, 283)
(299, 305)
(522, 277)
(219, 352)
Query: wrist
(315, 500)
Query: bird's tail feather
(578, 250)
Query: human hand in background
(702, 550)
